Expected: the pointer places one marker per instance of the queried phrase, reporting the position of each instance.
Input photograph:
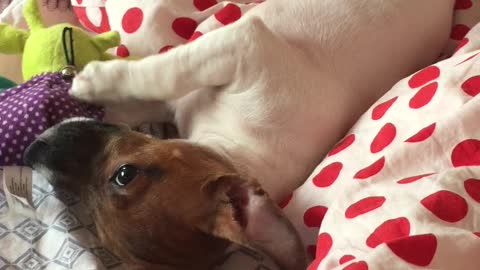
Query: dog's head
(163, 204)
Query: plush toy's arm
(107, 41)
(107, 57)
(32, 15)
(12, 40)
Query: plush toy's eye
(124, 175)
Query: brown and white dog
(258, 103)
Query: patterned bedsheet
(419, 145)
(60, 236)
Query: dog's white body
(275, 90)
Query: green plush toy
(52, 49)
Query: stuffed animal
(51, 57)
(46, 49)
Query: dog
(257, 104)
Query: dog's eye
(124, 175)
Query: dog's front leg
(213, 60)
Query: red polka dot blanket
(154, 26)
(402, 189)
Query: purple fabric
(30, 108)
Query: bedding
(400, 191)
(158, 25)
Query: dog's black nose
(69, 146)
(35, 153)
(38, 152)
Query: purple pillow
(28, 109)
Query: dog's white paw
(101, 82)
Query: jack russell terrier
(258, 103)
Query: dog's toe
(82, 88)
(97, 82)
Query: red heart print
(468, 59)
(459, 31)
(418, 250)
(379, 111)
(471, 86)
(384, 137)
(364, 206)
(371, 170)
(311, 251)
(229, 14)
(285, 202)
(345, 259)
(327, 176)
(104, 26)
(446, 205)
(472, 186)
(344, 144)
(412, 179)
(423, 96)
(132, 20)
(313, 217)
(388, 231)
(463, 4)
(324, 244)
(466, 153)
(122, 51)
(184, 27)
(423, 134)
(424, 76)
(462, 44)
(204, 4)
(361, 265)
(195, 35)
(314, 265)
(165, 49)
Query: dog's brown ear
(245, 215)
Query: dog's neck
(248, 158)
